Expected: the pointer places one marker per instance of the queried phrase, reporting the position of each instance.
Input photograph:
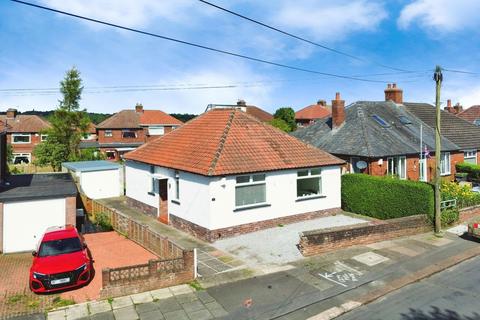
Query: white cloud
(138, 13)
(466, 95)
(329, 20)
(441, 15)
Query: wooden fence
(175, 265)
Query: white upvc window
(19, 158)
(397, 166)
(127, 133)
(445, 163)
(43, 137)
(309, 183)
(250, 190)
(153, 181)
(108, 133)
(470, 156)
(156, 130)
(21, 138)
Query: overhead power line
(302, 38)
(238, 55)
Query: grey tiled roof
(362, 135)
(461, 132)
(37, 186)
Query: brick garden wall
(153, 275)
(213, 235)
(320, 241)
(145, 208)
(467, 214)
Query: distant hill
(96, 118)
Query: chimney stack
(139, 108)
(241, 103)
(338, 111)
(322, 103)
(393, 93)
(458, 108)
(449, 107)
(11, 113)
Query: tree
(9, 153)
(288, 115)
(280, 124)
(68, 125)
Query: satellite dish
(361, 165)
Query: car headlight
(38, 275)
(81, 268)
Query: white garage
(97, 179)
(29, 204)
(25, 222)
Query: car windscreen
(61, 246)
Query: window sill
(175, 201)
(310, 198)
(253, 206)
(21, 142)
(445, 174)
(151, 193)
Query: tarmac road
(453, 294)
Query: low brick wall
(213, 235)
(145, 208)
(319, 241)
(469, 213)
(153, 275)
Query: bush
(464, 194)
(472, 170)
(102, 219)
(448, 217)
(386, 198)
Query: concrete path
(174, 303)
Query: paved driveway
(108, 249)
(277, 246)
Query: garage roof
(23, 187)
(86, 166)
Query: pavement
(317, 288)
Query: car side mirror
(34, 253)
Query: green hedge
(472, 170)
(386, 198)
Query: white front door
(24, 222)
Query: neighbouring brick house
(312, 113)
(464, 134)
(129, 129)
(382, 138)
(225, 173)
(471, 114)
(24, 133)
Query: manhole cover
(370, 258)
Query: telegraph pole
(438, 77)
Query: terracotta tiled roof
(261, 114)
(314, 111)
(471, 114)
(229, 141)
(91, 128)
(132, 119)
(158, 117)
(24, 123)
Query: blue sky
(37, 47)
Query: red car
(61, 261)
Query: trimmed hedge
(473, 170)
(386, 198)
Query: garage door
(25, 222)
